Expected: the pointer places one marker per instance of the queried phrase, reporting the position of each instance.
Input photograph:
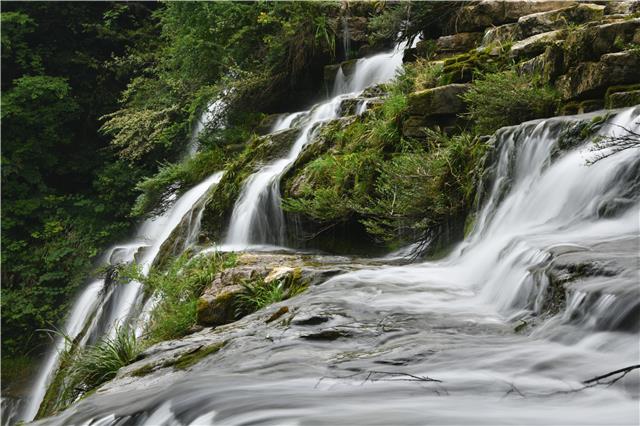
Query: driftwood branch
(622, 371)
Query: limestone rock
(543, 22)
(217, 304)
(623, 99)
(443, 100)
(217, 307)
(437, 107)
(549, 65)
(278, 273)
(593, 78)
(492, 13)
(535, 45)
(460, 42)
(498, 35)
(625, 7)
(590, 43)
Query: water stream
(434, 342)
(257, 218)
(101, 307)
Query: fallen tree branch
(624, 372)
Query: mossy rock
(622, 96)
(592, 79)
(193, 357)
(590, 42)
(443, 100)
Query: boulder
(625, 7)
(489, 13)
(460, 42)
(217, 305)
(535, 45)
(593, 78)
(549, 65)
(543, 22)
(622, 97)
(499, 35)
(443, 100)
(590, 43)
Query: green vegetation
(177, 289)
(521, 98)
(257, 294)
(82, 370)
(97, 117)
(65, 195)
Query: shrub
(419, 189)
(508, 98)
(175, 176)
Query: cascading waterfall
(257, 217)
(450, 320)
(101, 307)
(346, 36)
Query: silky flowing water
(257, 219)
(435, 342)
(100, 307)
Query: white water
(451, 319)
(100, 308)
(257, 217)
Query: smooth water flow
(435, 343)
(101, 307)
(257, 217)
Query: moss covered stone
(191, 358)
(622, 96)
(591, 79)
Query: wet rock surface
(216, 306)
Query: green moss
(143, 371)
(630, 92)
(187, 360)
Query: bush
(508, 98)
(420, 189)
(175, 176)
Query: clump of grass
(100, 362)
(508, 98)
(84, 369)
(178, 289)
(257, 294)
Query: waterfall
(100, 307)
(451, 319)
(257, 217)
(346, 36)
